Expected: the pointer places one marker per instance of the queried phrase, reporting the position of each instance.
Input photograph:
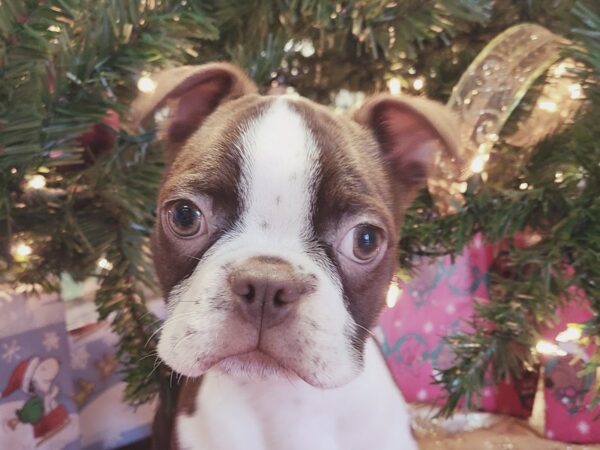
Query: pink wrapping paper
(434, 304)
(568, 396)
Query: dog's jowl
(275, 244)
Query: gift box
(434, 304)
(568, 393)
(36, 400)
(56, 384)
(99, 389)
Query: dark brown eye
(185, 219)
(362, 243)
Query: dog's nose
(266, 292)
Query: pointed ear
(413, 133)
(191, 94)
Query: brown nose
(267, 290)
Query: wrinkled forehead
(283, 162)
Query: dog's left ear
(412, 133)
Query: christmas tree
(79, 181)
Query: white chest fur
(234, 414)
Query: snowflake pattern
(80, 358)
(51, 341)
(583, 427)
(11, 351)
(428, 327)
(422, 395)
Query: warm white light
(548, 348)
(104, 264)
(547, 105)
(146, 84)
(560, 70)
(23, 250)
(478, 163)
(394, 85)
(462, 187)
(523, 186)
(392, 296)
(307, 48)
(575, 91)
(559, 177)
(571, 334)
(54, 28)
(419, 83)
(36, 182)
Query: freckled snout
(267, 290)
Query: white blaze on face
(279, 171)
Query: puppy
(276, 235)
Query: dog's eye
(362, 243)
(185, 219)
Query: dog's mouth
(253, 363)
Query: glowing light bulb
(575, 91)
(392, 296)
(478, 163)
(559, 177)
(394, 85)
(36, 182)
(22, 250)
(307, 49)
(104, 264)
(419, 83)
(146, 84)
(571, 334)
(54, 28)
(547, 105)
(523, 186)
(548, 348)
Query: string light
(36, 182)
(548, 348)
(547, 105)
(571, 334)
(560, 70)
(559, 177)
(21, 251)
(307, 49)
(575, 91)
(104, 264)
(393, 293)
(54, 28)
(418, 83)
(523, 186)
(394, 85)
(146, 84)
(478, 163)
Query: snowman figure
(35, 377)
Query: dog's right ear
(190, 94)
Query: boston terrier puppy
(275, 243)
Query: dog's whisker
(367, 330)
(157, 364)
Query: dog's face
(278, 222)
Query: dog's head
(278, 221)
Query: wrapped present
(99, 391)
(36, 405)
(435, 303)
(568, 392)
